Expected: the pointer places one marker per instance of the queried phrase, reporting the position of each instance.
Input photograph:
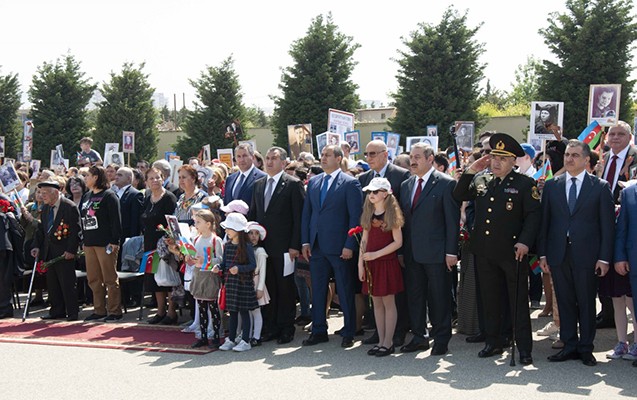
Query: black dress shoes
(479, 338)
(588, 359)
(489, 351)
(315, 339)
(372, 339)
(525, 358)
(604, 323)
(71, 318)
(564, 356)
(303, 320)
(347, 342)
(439, 349)
(49, 316)
(283, 339)
(415, 345)
(8, 314)
(635, 363)
(269, 337)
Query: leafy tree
(525, 88)
(59, 94)
(438, 77)
(219, 103)
(9, 106)
(256, 118)
(593, 42)
(128, 106)
(319, 79)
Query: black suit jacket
(67, 217)
(130, 206)
(394, 174)
(435, 219)
(591, 227)
(174, 189)
(624, 175)
(282, 219)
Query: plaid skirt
(240, 293)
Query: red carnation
(356, 230)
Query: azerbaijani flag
(186, 246)
(452, 163)
(207, 260)
(149, 263)
(545, 172)
(591, 134)
(535, 265)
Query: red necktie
(417, 194)
(610, 175)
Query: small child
(207, 245)
(238, 265)
(257, 234)
(378, 266)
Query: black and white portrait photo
(603, 104)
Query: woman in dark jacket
(102, 229)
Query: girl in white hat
(257, 234)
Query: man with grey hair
(164, 167)
(239, 184)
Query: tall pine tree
(219, 103)
(593, 43)
(438, 77)
(59, 94)
(320, 79)
(9, 106)
(128, 106)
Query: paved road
(322, 372)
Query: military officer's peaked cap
(504, 145)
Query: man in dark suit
(277, 202)
(615, 167)
(333, 206)
(58, 234)
(130, 205)
(239, 185)
(507, 220)
(575, 244)
(625, 250)
(379, 166)
(432, 216)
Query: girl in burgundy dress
(378, 266)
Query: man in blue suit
(575, 244)
(625, 239)
(332, 207)
(239, 185)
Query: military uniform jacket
(505, 213)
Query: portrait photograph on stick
(603, 104)
(546, 122)
(299, 139)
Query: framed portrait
(60, 150)
(321, 142)
(464, 134)
(203, 175)
(225, 156)
(35, 167)
(111, 148)
(128, 141)
(393, 141)
(28, 130)
(339, 121)
(55, 160)
(353, 138)
(8, 177)
(117, 158)
(545, 115)
(2, 143)
(175, 164)
(299, 139)
(379, 136)
(333, 138)
(603, 104)
(27, 148)
(173, 225)
(234, 130)
(432, 130)
(430, 140)
(206, 154)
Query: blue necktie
(326, 181)
(51, 218)
(237, 187)
(572, 195)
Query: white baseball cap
(378, 184)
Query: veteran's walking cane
(26, 306)
(515, 310)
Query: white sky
(177, 39)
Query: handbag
(222, 298)
(205, 285)
(166, 276)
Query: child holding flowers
(378, 266)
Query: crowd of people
(411, 245)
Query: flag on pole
(207, 260)
(453, 165)
(149, 263)
(545, 172)
(535, 265)
(186, 247)
(591, 134)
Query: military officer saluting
(507, 221)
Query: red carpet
(121, 336)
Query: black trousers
(575, 290)
(279, 314)
(496, 275)
(62, 287)
(6, 283)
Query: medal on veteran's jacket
(509, 205)
(535, 193)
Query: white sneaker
(190, 329)
(549, 329)
(619, 351)
(242, 346)
(227, 345)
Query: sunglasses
(376, 191)
(372, 154)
